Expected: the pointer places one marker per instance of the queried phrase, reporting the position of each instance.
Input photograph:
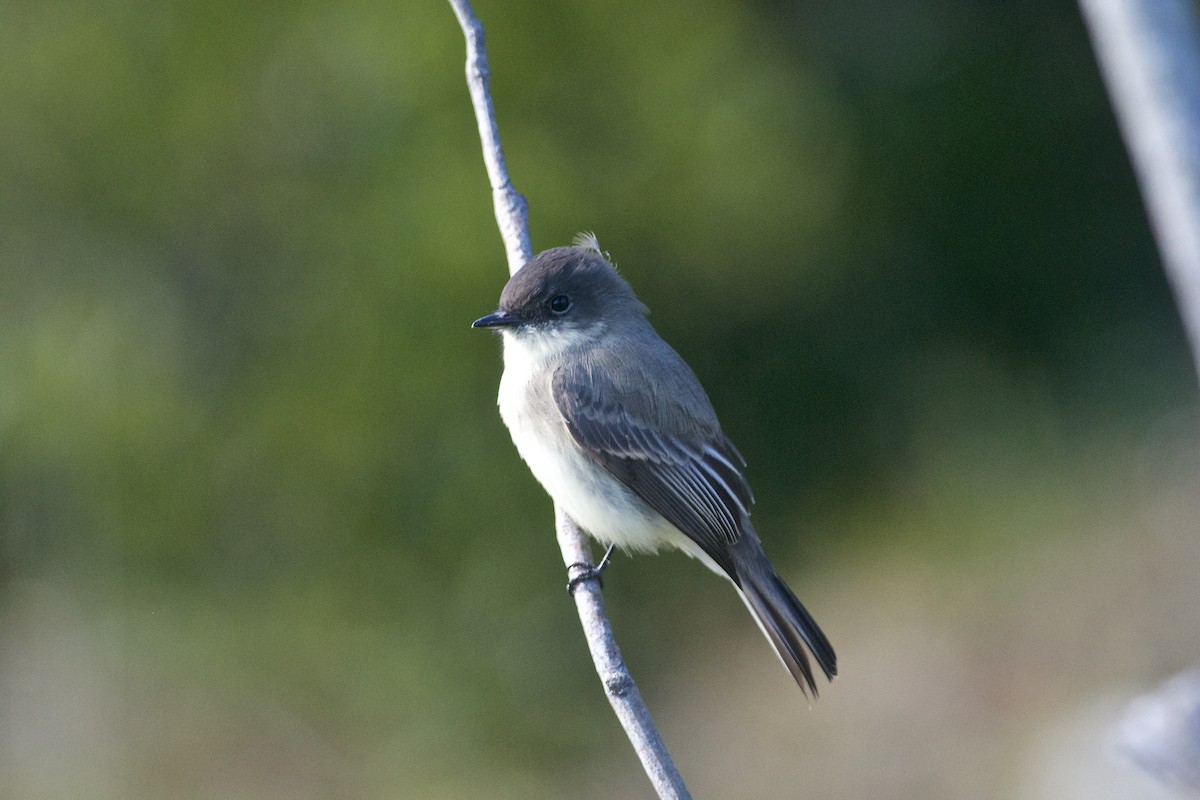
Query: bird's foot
(585, 572)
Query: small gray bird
(617, 429)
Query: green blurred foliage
(251, 475)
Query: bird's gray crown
(569, 285)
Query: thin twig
(622, 692)
(512, 218)
(512, 212)
(1149, 54)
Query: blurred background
(263, 533)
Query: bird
(617, 429)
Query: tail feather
(785, 622)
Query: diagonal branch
(1149, 54)
(619, 687)
(512, 212)
(512, 218)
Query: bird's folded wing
(695, 482)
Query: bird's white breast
(597, 501)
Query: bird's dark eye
(560, 304)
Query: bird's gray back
(658, 388)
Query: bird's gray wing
(694, 481)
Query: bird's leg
(587, 571)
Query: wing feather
(694, 482)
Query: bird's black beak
(501, 319)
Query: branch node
(619, 684)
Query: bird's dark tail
(786, 623)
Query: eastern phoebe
(617, 429)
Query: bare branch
(512, 212)
(1149, 54)
(512, 218)
(622, 692)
